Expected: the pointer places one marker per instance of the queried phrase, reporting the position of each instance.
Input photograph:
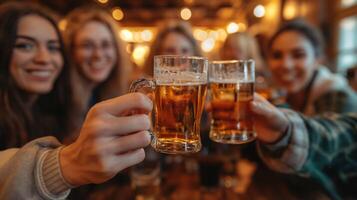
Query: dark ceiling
(149, 12)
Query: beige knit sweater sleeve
(33, 171)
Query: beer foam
(230, 81)
(174, 76)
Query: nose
(42, 55)
(97, 52)
(287, 62)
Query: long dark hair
(50, 113)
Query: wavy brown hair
(50, 114)
(118, 80)
(156, 47)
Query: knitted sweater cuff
(50, 181)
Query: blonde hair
(118, 80)
(166, 28)
(247, 43)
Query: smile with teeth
(40, 73)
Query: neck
(83, 91)
(29, 99)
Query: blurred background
(213, 20)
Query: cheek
(80, 57)
(58, 59)
(112, 53)
(18, 61)
(273, 64)
(305, 67)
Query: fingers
(261, 106)
(130, 142)
(119, 105)
(128, 124)
(129, 159)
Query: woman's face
(36, 59)
(176, 44)
(292, 61)
(234, 50)
(94, 51)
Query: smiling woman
(33, 76)
(36, 60)
(295, 52)
(100, 66)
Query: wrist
(49, 179)
(278, 136)
(70, 166)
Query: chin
(99, 79)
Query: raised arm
(112, 138)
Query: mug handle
(136, 85)
(142, 83)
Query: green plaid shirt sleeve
(314, 144)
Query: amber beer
(176, 123)
(232, 121)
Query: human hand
(112, 138)
(270, 122)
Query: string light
(186, 13)
(117, 14)
(103, 1)
(259, 11)
(232, 27)
(62, 24)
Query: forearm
(290, 152)
(32, 171)
(313, 143)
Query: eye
(53, 47)
(107, 45)
(169, 50)
(185, 50)
(25, 46)
(87, 46)
(299, 54)
(276, 55)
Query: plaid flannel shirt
(321, 148)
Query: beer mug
(179, 85)
(232, 90)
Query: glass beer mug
(232, 90)
(179, 85)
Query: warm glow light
(128, 48)
(199, 34)
(146, 35)
(140, 53)
(259, 11)
(103, 1)
(221, 34)
(290, 10)
(137, 37)
(242, 27)
(232, 27)
(213, 34)
(272, 11)
(126, 35)
(186, 13)
(62, 24)
(117, 14)
(189, 2)
(208, 45)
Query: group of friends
(66, 118)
